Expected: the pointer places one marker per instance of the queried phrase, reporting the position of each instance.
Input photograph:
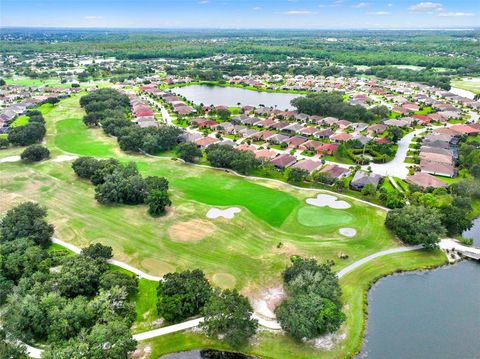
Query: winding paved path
(269, 324)
(358, 263)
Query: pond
(205, 354)
(231, 96)
(432, 314)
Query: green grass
(240, 253)
(73, 139)
(20, 121)
(355, 286)
(472, 85)
(319, 217)
(145, 304)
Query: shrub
(35, 153)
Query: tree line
(111, 109)
(332, 104)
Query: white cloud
(378, 13)
(360, 5)
(455, 14)
(256, 8)
(389, 5)
(299, 12)
(426, 6)
(93, 17)
(203, 2)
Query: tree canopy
(416, 225)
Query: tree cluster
(31, 133)
(123, 184)
(225, 156)
(73, 304)
(111, 109)
(313, 306)
(332, 104)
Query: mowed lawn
(247, 252)
(354, 285)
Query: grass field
(469, 84)
(355, 286)
(243, 252)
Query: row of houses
(438, 153)
(143, 114)
(294, 135)
(283, 161)
(178, 105)
(10, 112)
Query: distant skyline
(241, 14)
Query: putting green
(312, 216)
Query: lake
(231, 96)
(206, 354)
(428, 314)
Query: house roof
(425, 180)
(265, 154)
(437, 168)
(206, 141)
(283, 161)
(333, 170)
(307, 165)
(362, 178)
(341, 136)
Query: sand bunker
(347, 232)
(323, 200)
(63, 158)
(228, 213)
(191, 231)
(10, 159)
(268, 301)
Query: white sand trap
(323, 200)
(10, 159)
(228, 213)
(63, 158)
(347, 232)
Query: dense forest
(451, 50)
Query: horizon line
(450, 28)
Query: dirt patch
(191, 231)
(288, 249)
(224, 280)
(7, 200)
(157, 267)
(142, 352)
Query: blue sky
(288, 14)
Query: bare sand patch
(347, 232)
(157, 267)
(228, 213)
(191, 231)
(224, 280)
(10, 159)
(64, 158)
(265, 303)
(323, 200)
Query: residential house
(425, 180)
(283, 161)
(361, 179)
(308, 165)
